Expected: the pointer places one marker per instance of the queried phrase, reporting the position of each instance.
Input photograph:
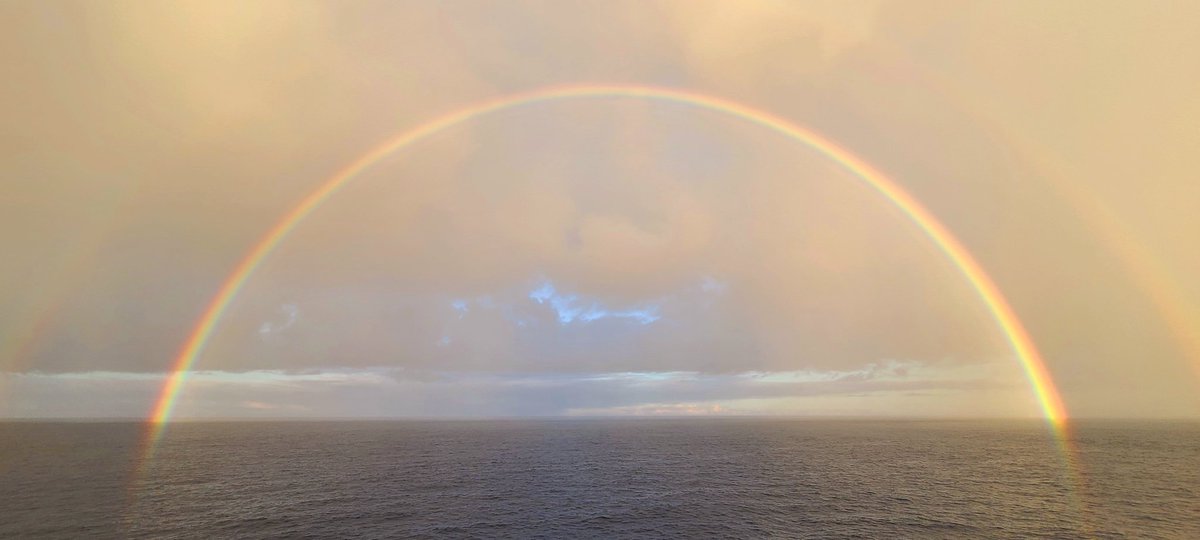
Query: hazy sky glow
(601, 256)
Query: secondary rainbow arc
(1022, 345)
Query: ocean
(601, 478)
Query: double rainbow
(1018, 339)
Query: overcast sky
(600, 256)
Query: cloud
(655, 409)
(290, 313)
(742, 42)
(672, 238)
(393, 392)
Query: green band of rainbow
(1018, 339)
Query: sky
(601, 256)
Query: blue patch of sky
(571, 308)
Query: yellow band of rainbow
(1018, 339)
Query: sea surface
(652, 478)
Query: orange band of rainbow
(1018, 339)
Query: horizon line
(417, 418)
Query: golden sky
(599, 256)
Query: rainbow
(1143, 267)
(1017, 337)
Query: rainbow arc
(1018, 339)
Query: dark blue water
(600, 478)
